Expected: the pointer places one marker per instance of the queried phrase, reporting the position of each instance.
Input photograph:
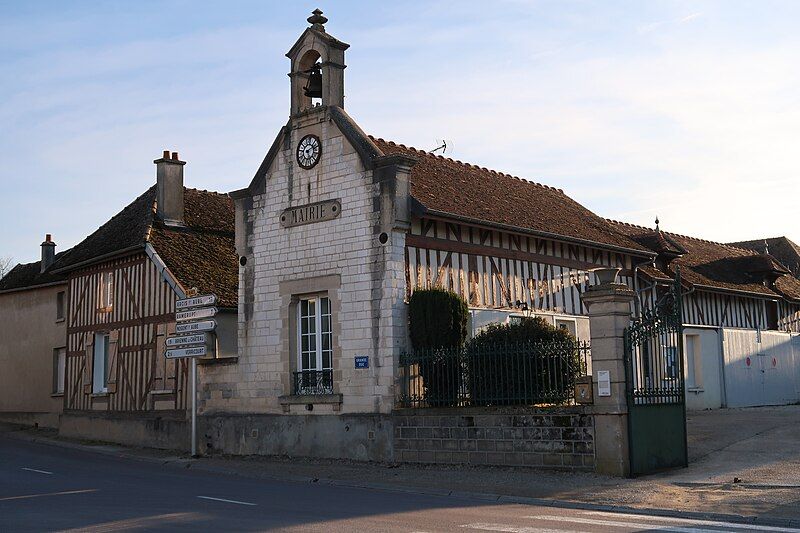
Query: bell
(313, 88)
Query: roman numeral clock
(309, 150)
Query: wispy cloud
(653, 26)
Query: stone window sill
(57, 395)
(305, 399)
(696, 390)
(60, 320)
(100, 395)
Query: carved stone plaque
(310, 213)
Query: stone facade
(354, 258)
(552, 438)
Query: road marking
(642, 525)
(505, 528)
(693, 521)
(226, 501)
(48, 494)
(39, 471)
(147, 522)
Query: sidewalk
(668, 492)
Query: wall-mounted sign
(188, 340)
(362, 361)
(603, 383)
(178, 353)
(310, 213)
(196, 301)
(193, 327)
(204, 312)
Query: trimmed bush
(437, 319)
(525, 362)
(438, 328)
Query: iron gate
(655, 386)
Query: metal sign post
(194, 337)
(194, 406)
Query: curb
(114, 450)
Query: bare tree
(6, 264)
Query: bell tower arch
(317, 67)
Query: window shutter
(113, 350)
(88, 363)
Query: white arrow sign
(185, 340)
(196, 301)
(177, 353)
(203, 312)
(196, 327)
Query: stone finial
(657, 221)
(317, 20)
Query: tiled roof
(450, 187)
(717, 265)
(783, 249)
(26, 275)
(200, 255)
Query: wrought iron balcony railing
(312, 382)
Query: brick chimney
(48, 252)
(169, 178)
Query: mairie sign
(204, 300)
(196, 327)
(177, 353)
(194, 314)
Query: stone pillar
(609, 314)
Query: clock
(308, 151)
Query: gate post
(609, 307)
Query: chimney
(48, 252)
(169, 178)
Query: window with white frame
(315, 346)
(105, 300)
(100, 363)
(59, 366)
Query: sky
(685, 111)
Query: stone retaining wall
(554, 438)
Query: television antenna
(442, 144)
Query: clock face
(308, 151)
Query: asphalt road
(50, 488)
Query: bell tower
(317, 74)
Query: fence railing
(525, 373)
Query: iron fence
(312, 382)
(524, 373)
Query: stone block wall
(342, 258)
(560, 438)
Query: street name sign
(178, 353)
(204, 300)
(196, 327)
(188, 340)
(193, 314)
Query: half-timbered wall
(142, 314)
(789, 317)
(724, 310)
(495, 269)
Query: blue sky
(685, 110)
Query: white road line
(226, 501)
(650, 527)
(64, 493)
(505, 528)
(696, 522)
(39, 471)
